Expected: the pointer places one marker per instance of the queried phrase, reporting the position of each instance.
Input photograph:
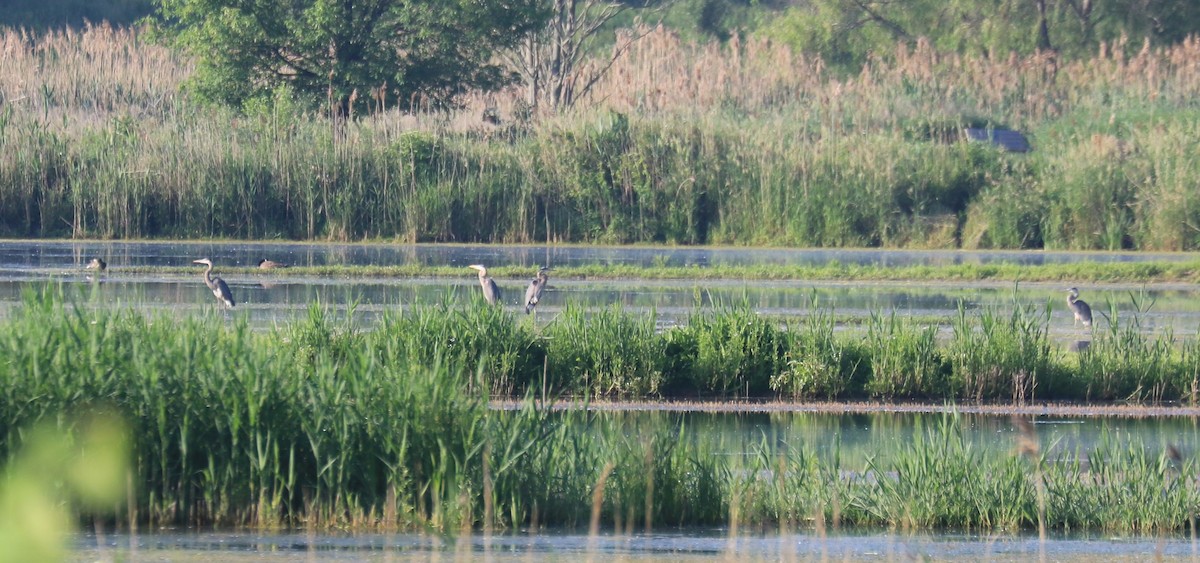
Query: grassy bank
(317, 424)
(998, 354)
(1072, 273)
(748, 144)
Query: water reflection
(854, 437)
(677, 545)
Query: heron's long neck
(1071, 297)
(208, 280)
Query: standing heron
(217, 285)
(534, 293)
(490, 291)
(1083, 313)
(96, 264)
(265, 264)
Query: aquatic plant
(1124, 363)
(819, 364)
(737, 352)
(604, 353)
(320, 425)
(1107, 272)
(905, 362)
(1001, 356)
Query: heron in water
(1083, 313)
(490, 291)
(96, 264)
(217, 285)
(534, 293)
(265, 264)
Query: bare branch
(552, 62)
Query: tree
(552, 61)
(342, 52)
(845, 32)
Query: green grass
(1078, 272)
(317, 423)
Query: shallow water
(855, 437)
(38, 254)
(680, 545)
(265, 300)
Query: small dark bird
(491, 292)
(96, 264)
(265, 264)
(534, 293)
(217, 285)
(1083, 313)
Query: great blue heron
(1083, 313)
(490, 291)
(265, 264)
(96, 264)
(217, 285)
(534, 293)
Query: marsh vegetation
(321, 424)
(746, 143)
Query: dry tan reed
(664, 73)
(766, 145)
(88, 73)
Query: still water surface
(854, 436)
(265, 300)
(662, 546)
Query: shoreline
(1092, 410)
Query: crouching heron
(1083, 313)
(217, 285)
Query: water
(26, 255)
(859, 435)
(265, 300)
(663, 546)
(856, 436)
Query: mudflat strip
(1045, 409)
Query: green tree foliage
(347, 53)
(847, 32)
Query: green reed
(1125, 363)
(604, 353)
(818, 363)
(104, 144)
(905, 362)
(736, 352)
(318, 424)
(1122, 486)
(998, 355)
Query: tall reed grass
(319, 425)
(744, 143)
